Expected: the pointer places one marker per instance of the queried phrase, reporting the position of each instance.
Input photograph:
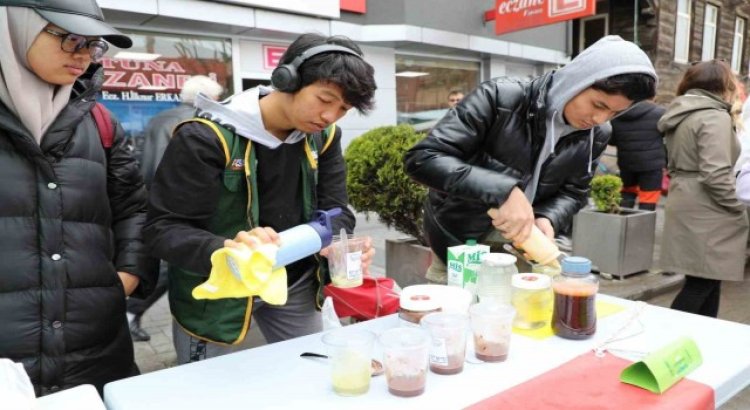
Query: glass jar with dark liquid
(574, 311)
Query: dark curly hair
(633, 86)
(352, 74)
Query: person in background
(454, 97)
(204, 196)
(641, 156)
(159, 129)
(743, 184)
(157, 136)
(71, 210)
(705, 226)
(525, 151)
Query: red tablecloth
(590, 382)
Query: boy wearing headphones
(253, 165)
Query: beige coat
(705, 226)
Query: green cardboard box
(463, 263)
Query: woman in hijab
(705, 226)
(70, 211)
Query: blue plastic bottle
(307, 239)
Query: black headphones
(285, 78)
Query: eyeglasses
(71, 43)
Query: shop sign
(355, 6)
(272, 56)
(514, 15)
(322, 8)
(158, 80)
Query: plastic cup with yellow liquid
(350, 352)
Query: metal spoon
(376, 367)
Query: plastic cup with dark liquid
(405, 357)
(491, 324)
(448, 346)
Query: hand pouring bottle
(296, 243)
(304, 240)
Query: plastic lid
(576, 265)
(471, 242)
(498, 259)
(420, 298)
(530, 281)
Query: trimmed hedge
(377, 182)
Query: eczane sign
(514, 15)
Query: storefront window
(423, 85)
(147, 78)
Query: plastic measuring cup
(405, 357)
(350, 352)
(345, 261)
(491, 324)
(448, 347)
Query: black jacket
(640, 146)
(70, 218)
(188, 182)
(488, 145)
(157, 135)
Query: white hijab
(35, 102)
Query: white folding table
(276, 377)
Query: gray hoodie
(242, 112)
(609, 56)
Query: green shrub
(376, 180)
(605, 190)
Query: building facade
(674, 33)
(421, 50)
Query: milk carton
(463, 262)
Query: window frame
(682, 56)
(708, 49)
(738, 43)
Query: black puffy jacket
(70, 218)
(640, 145)
(488, 145)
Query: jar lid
(419, 298)
(576, 265)
(530, 281)
(498, 259)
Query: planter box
(618, 244)
(406, 261)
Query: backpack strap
(215, 128)
(330, 133)
(317, 140)
(235, 158)
(103, 121)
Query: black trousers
(138, 306)
(700, 296)
(643, 185)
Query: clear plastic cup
(448, 347)
(350, 352)
(532, 299)
(494, 275)
(548, 270)
(345, 265)
(405, 354)
(491, 324)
